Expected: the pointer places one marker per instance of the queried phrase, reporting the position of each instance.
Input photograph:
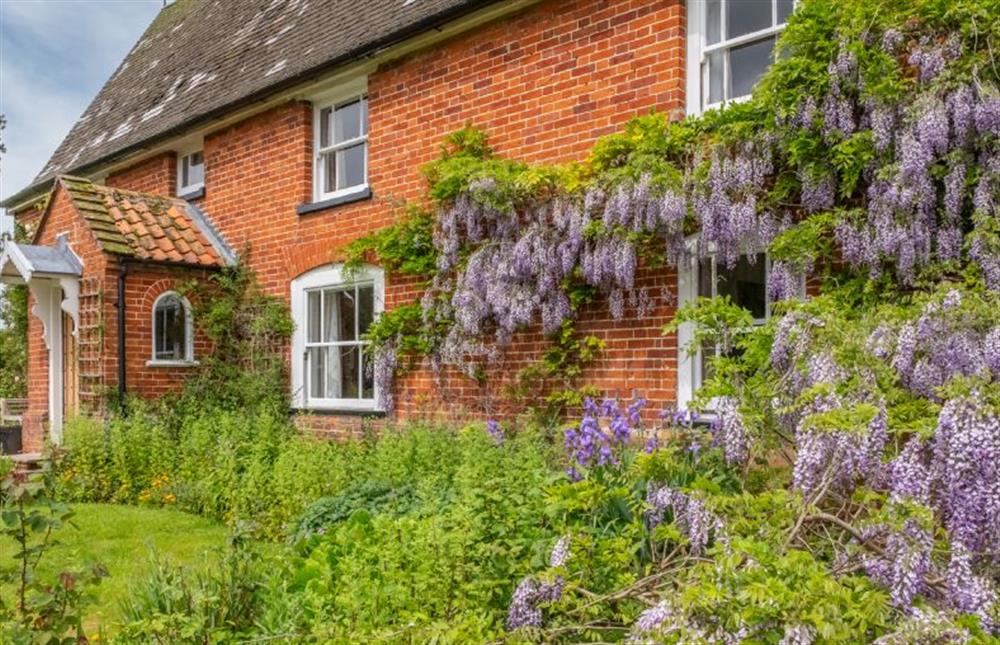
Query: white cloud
(54, 57)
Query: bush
(370, 496)
(424, 532)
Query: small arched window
(172, 342)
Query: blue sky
(54, 57)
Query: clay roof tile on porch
(147, 227)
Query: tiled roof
(147, 227)
(202, 58)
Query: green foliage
(215, 604)
(749, 584)
(13, 335)
(367, 496)
(248, 330)
(41, 611)
(407, 247)
(422, 536)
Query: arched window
(332, 311)
(172, 338)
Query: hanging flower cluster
(665, 620)
(525, 609)
(911, 218)
(825, 457)
(729, 432)
(939, 345)
(696, 522)
(525, 605)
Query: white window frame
(698, 51)
(329, 277)
(689, 364)
(183, 189)
(188, 334)
(344, 93)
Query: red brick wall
(156, 175)
(544, 84)
(143, 285)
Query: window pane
(715, 76)
(713, 21)
(785, 8)
(746, 65)
(185, 171)
(746, 16)
(334, 386)
(331, 317)
(364, 115)
(705, 278)
(196, 169)
(707, 355)
(170, 329)
(317, 372)
(367, 378)
(366, 308)
(351, 166)
(324, 127)
(347, 313)
(347, 122)
(313, 316)
(745, 284)
(350, 366)
(328, 171)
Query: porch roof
(148, 227)
(19, 263)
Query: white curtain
(331, 333)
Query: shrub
(370, 496)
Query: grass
(120, 538)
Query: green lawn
(120, 538)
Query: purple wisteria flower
(729, 432)
(495, 431)
(525, 609)
(696, 522)
(560, 552)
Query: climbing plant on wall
(868, 159)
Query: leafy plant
(41, 611)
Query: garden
(836, 479)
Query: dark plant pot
(10, 440)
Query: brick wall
(143, 286)
(156, 175)
(544, 84)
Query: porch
(51, 274)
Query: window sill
(155, 363)
(341, 412)
(193, 193)
(338, 200)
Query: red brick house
(295, 126)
